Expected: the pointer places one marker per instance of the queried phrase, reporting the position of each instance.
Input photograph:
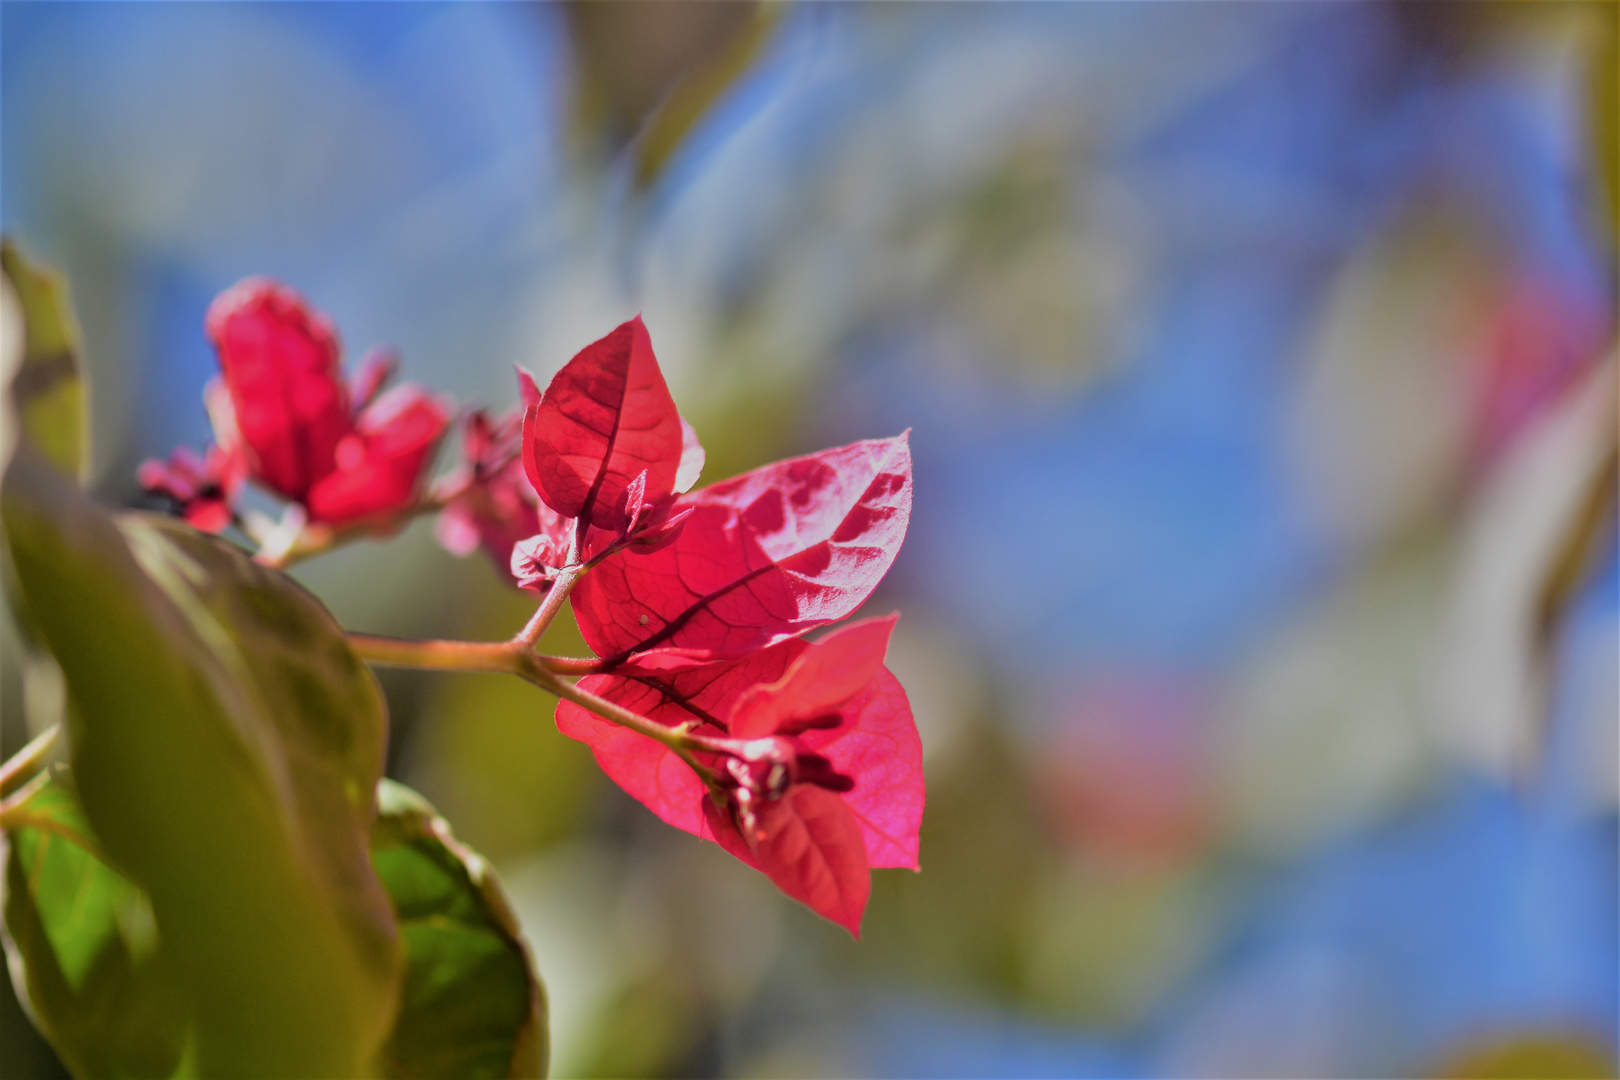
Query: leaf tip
(527, 387)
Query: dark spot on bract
(766, 514)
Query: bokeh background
(1261, 592)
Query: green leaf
(47, 387)
(650, 73)
(87, 953)
(226, 744)
(696, 93)
(84, 949)
(472, 1007)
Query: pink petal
(692, 459)
(764, 556)
(810, 846)
(824, 676)
(876, 744)
(392, 447)
(280, 362)
(646, 769)
(606, 417)
(882, 751)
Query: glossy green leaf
(472, 1007)
(225, 744)
(83, 946)
(47, 387)
(86, 951)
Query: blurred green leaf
(965, 923)
(650, 71)
(226, 744)
(489, 758)
(84, 946)
(1603, 97)
(692, 97)
(472, 1006)
(47, 386)
(648, 1029)
(1539, 1055)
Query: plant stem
(573, 665)
(517, 657)
(514, 657)
(437, 655)
(314, 538)
(29, 758)
(677, 741)
(15, 814)
(608, 710)
(561, 586)
(507, 656)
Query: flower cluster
(706, 702)
(347, 453)
(698, 604)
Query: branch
(29, 758)
(437, 655)
(561, 586)
(515, 658)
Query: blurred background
(1261, 592)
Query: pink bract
(874, 740)
(381, 462)
(809, 845)
(605, 419)
(286, 412)
(280, 362)
(763, 557)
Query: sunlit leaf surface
(225, 745)
(84, 946)
(471, 1005)
(48, 388)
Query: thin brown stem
(574, 665)
(20, 817)
(29, 759)
(517, 657)
(677, 741)
(437, 655)
(513, 657)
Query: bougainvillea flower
(473, 517)
(286, 411)
(280, 362)
(606, 432)
(605, 418)
(201, 487)
(809, 845)
(494, 507)
(498, 507)
(762, 557)
(380, 464)
(375, 371)
(535, 560)
(797, 703)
